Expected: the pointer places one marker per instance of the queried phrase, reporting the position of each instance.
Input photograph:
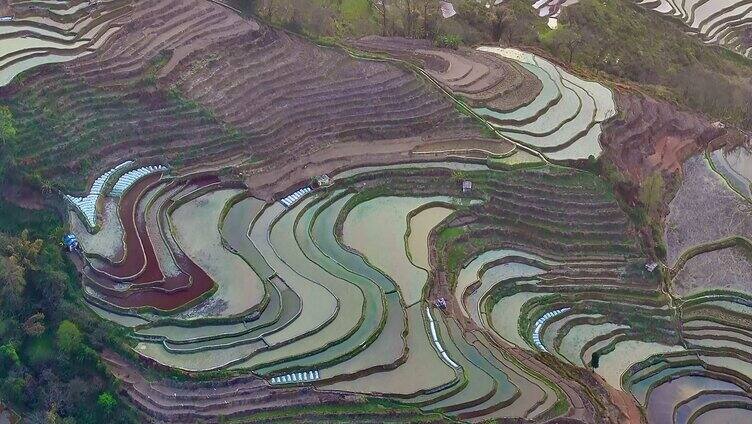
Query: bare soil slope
(651, 136)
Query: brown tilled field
(198, 81)
(704, 210)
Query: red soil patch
(139, 264)
(149, 288)
(652, 136)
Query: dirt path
(271, 179)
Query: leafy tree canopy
(69, 337)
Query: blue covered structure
(71, 242)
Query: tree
(69, 337)
(34, 325)
(429, 17)
(562, 41)
(408, 18)
(381, 6)
(8, 358)
(12, 280)
(106, 403)
(25, 250)
(509, 25)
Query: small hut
(322, 181)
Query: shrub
(13, 389)
(448, 40)
(8, 358)
(7, 129)
(106, 403)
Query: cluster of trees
(50, 371)
(404, 18)
(621, 39)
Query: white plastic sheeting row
(129, 178)
(437, 343)
(88, 205)
(296, 377)
(293, 198)
(539, 325)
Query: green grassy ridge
(654, 365)
(584, 297)
(372, 408)
(485, 233)
(724, 243)
(727, 404)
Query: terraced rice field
(37, 36)
(526, 98)
(564, 120)
(185, 135)
(478, 77)
(719, 214)
(710, 281)
(711, 372)
(338, 288)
